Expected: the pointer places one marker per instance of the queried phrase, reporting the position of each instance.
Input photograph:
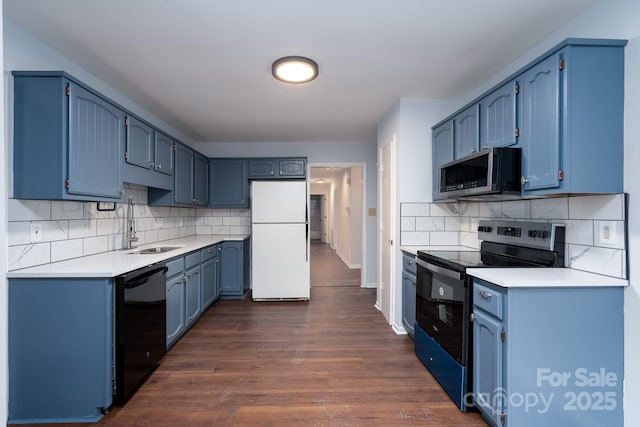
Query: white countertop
(414, 249)
(508, 277)
(114, 263)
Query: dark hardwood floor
(327, 269)
(332, 361)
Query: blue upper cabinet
(498, 116)
(140, 144)
(68, 141)
(200, 180)
(183, 176)
(562, 109)
(163, 153)
(442, 146)
(541, 125)
(572, 121)
(288, 167)
(148, 155)
(228, 183)
(466, 136)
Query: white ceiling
(203, 66)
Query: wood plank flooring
(327, 269)
(332, 361)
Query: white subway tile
(66, 249)
(204, 229)
(28, 210)
(424, 223)
(469, 208)
(95, 245)
(19, 233)
(444, 209)
(452, 223)
(554, 208)
(219, 212)
(516, 209)
(490, 210)
(414, 238)
(239, 229)
(67, 210)
(222, 229)
(237, 220)
(469, 240)
(82, 228)
(54, 230)
(597, 260)
(408, 223)
(109, 226)
(609, 207)
(29, 255)
(414, 209)
(579, 232)
(444, 238)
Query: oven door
(442, 307)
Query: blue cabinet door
(164, 148)
(442, 149)
(192, 295)
(175, 309)
(96, 141)
(498, 116)
(183, 176)
(228, 183)
(262, 168)
(467, 133)
(408, 302)
(209, 276)
(231, 258)
(487, 366)
(540, 133)
(200, 180)
(140, 146)
(292, 168)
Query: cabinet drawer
(488, 299)
(175, 266)
(208, 253)
(192, 259)
(409, 263)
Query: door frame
(391, 226)
(363, 192)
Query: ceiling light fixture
(319, 181)
(295, 69)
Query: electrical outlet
(36, 232)
(607, 232)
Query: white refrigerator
(279, 240)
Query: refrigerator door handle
(307, 240)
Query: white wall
(320, 153)
(343, 216)
(356, 217)
(410, 121)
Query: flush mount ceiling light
(295, 69)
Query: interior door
(386, 231)
(324, 223)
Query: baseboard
(399, 330)
(347, 262)
(371, 286)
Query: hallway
(327, 269)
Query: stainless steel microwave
(493, 171)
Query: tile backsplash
(456, 223)
(74, 229)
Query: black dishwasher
(140, 327)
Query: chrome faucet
(131, 225)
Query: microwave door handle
(440, 270)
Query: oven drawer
(487, 299)
(409, 263)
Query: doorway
(336, 224)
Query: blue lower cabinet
(60, 350)
(193, 292)
(175, 309)
(548, 356)
(234, 270)
(209, 273)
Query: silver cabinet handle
(158, 166)
(151, 165)
(523, 181)
(472, 317)
(484, 294)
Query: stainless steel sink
(156, 250)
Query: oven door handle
(440, 270)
